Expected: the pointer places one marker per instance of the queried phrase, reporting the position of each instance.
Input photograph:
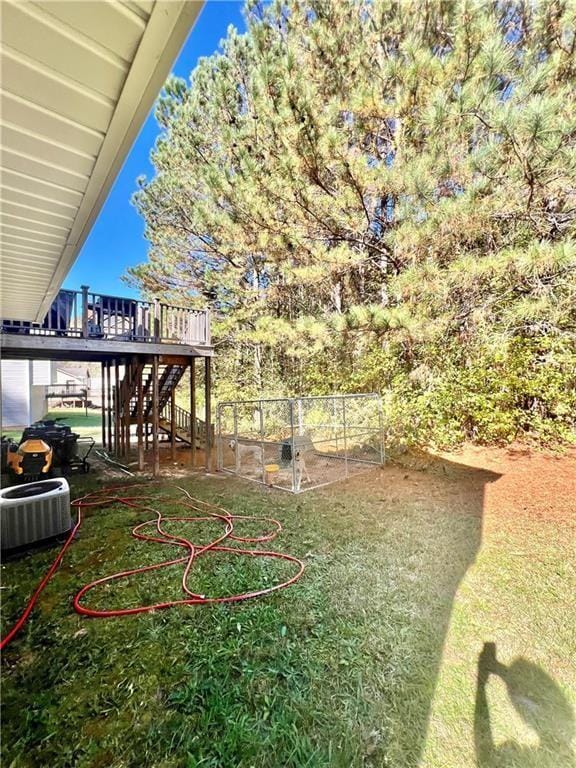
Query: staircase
(169, 376)
(183, 426)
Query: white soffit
(78, 78)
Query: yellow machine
(31, 460)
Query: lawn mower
(44, 446)
(27, 461)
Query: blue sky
(117, 238)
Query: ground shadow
(540, 703)
(430, 516)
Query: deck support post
(103, 401)
(140, 417)
(173, 423)
(129, 370)
(121, 430)
(207, 393)
(149, 411)
(116, 407)
(155, 427)
(193, 428)
(109, 403)
(105, 435)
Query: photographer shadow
(541, 704)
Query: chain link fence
(300, 443)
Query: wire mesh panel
(300, 443)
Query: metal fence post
(236, 451)
(345, 438)
(261, 409)
(292, 447)
(219, 459)
(335, 424)
(381, 432)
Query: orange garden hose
(208, 512)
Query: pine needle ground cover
(376, 657)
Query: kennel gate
(300, 443)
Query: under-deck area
(146, 349)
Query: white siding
(38, 405)
(41, 372)
(15, 393)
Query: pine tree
(381, 195)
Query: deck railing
(86, 315)
(182, 421)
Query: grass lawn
(85, 425)
(89, 425)
(374, 658)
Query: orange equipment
(31, 460)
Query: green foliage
(365, 191)
(495, 396)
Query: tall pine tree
(381, 195)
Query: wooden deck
(85, 326)
(36, 347)
(144, 347)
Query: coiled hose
(205, 511)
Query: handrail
(183, 419)
(87, 315)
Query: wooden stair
(169, 376)
(183, 430)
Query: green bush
(527, 390)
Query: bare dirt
(534, 483)
(516, 482)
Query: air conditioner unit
(33, 512)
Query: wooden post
(109, 404)
(193, 430)
(103, 402)
(149, 413)
(116, 446)
(157, 310)
(123, 409)
(207, 393)
(173, 422)
(127, 392)
(147, 417)
(116, 407)
(140, 415)
(84, 311)
(121, 412)
(155, 444)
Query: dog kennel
(300, 443)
